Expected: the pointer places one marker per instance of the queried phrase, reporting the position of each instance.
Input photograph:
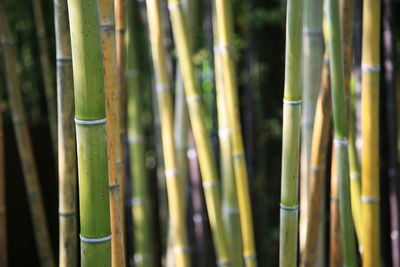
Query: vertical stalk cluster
(291, 135)
(91, 133)
(66, 139)
(370, 132)
(196, 113)
(25, 145)
(111, 84)
(141, 212)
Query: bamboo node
(191, 153)
(136, 201)
(312, 33)
(162, 87)
(114, 188)
(135, 139)
(289, 208)
(67, 214)
(292, 102)
(171, 173)
(249, 256)
(107, 27)
(224, 133)
(210, 184)
(229, 211)
(91, 122)
(140, 257)
(223, 262)
(317, 169)
(62, 61)
(370, 199)
(339, 142)
(355, 176)
(193, 98)
(370, 68)
(335, 199)
(238, 155)
(174, 6)
(131, 73)
(180, 249)
(95, 240)
(219, 48)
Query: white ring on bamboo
(139, 257)
(131, 73)
(194, 98)
(92, 122)
(210, 184)
(249, 256)
(171, 173)
(370, 68)
(223, 262)
(339, 142)
(228, 210)
(311, 33)
(180, 249)
(238, 155)
(224, 132)
(336, 199)
(355, 176)
(219, 48)
(162, 87)
(107, 27)
(135, 139)
(135, 201)
(370, 199)
(95, 240)
(292, 102)
(173, 6)
(284, 207)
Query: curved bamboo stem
(91, 133)
(25, 146)
(114, 144)
(66, 139)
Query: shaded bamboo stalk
(196, 113)
(291, 135)
(91, 133)
(391, 122)
(370, 132)
(47, 72)
(3, 208)
(114, 144)
(24, 145)
(228, 76)
(180, 246)
(319, 151)
(66, 139)
(340, 133)
(141, 208)
(313, 50)
(230, 205)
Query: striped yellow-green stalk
(230, 205)
(111, 85)
(176, 202)
(40, 229)
(291, 135)
(370, 132)
(313, 50)
(228, 76)
(319, 150)
(91, 133)
(68, 244)
(196, 113)
(340, 133)
(141, 208)
(47, 71)
(3, 209)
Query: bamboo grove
(185, 133)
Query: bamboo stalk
(25, 146)
(66, 139)
(114, 144)
(340, 133)
(291, 135)
(3, 208)
(370, 132)
(47, 72)
(141, 212)
(90, 120)
(203, 144)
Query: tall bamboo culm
(196, 113)
(47, 71)
(291, 135)
(313, 51)
(141, 208)
(66, 139)
(112, 95)
(3, 209)
(91, 133)
(230, 205)
(224, 43)
(340, 133)
(24, 145)
(370, 132)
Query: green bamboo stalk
(370, 132)
(47, 72)
(90, 120)
(291, 135)
(196, 113)
(3, 208)
(25, 146)
(66, 139)
(114, 144)
(225, 41)
(340, 133)
(143, 254)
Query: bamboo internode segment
(91, 133)
(291, 135)
(140, 202)
(112, 94)
(370, 132)
(3, 209)
(66, 139)
(203, 144)
(340, 133)
(47, 71)
(25, 145)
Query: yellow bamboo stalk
(25, 149)
(370, 132)
(114, 144)
(3, 209)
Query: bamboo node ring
(223, 262)
(355, 176)
(335, 199)
(140, 257)
(173, 6)
(219, 48)
(171, 173)
(162, 87)
(67, 214)
(113, 188)
(135, 139)
(92, 122)
(339, 142)
(370, 199)
(210, 184)
(249, 256)
(193, 98)
(292, 102)
(370, 68)
(238, 155)
(224, 132)
(312, 34)
(180, 249)
(228, 210)
(62, 61)
(107, 27)
(131, 73)
(289, 208)
(135, 201)
(95, 240)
